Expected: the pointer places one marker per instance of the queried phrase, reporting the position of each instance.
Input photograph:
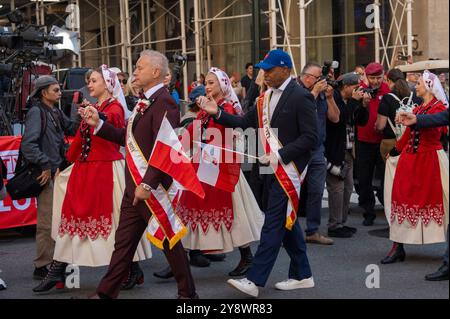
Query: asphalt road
(339, 271)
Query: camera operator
(339, 152)
(368, 158)
(172, 90)
(43, 144)
(388, 108)
(311, 79)
(83, 94)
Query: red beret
(374, 69)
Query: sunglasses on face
(124, 81)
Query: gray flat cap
(42, 82)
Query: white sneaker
(244, 285)
(292, 284)
(3, 285)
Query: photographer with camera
(339, 153)
(388, 109)
(43, 145)
(368, 158)
(314, 79)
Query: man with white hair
(143, 128)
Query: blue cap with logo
(275, 58)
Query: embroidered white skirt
(247, 224)
(88, 252)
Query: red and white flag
(168, 156)
(218, 167)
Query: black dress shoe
(197, 259)
(368, 221)
(166, 273)
(441, 274)
(353, 230)
(40, 273)
(397, 253)
(244, 264)
(339, 233)
(216, 257)
(135, 277)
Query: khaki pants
(339, 193)
(45, 245)
(386, 147)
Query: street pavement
(339, 270)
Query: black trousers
(369, 166)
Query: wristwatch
(146, 187)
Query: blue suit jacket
(432, 120)
(295, 118)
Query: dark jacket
(336, 142)
(295, 119)
(145, 130)
(46, 149)
(432, 120)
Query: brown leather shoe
(320, 239)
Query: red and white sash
(164, 223)
(286, 174)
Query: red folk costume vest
(88, 204)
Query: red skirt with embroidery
(214, 210)
(417, 194)
(88, 204)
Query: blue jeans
(273, 234)
(315, 185)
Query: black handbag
(24, 184)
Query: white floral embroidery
(415, 213)
(193, 217)
(91, 228)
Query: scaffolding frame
(277, 12)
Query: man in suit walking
(289, 109)
(151, 69)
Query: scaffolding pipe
(208, 38)
(128, 38)
(149, 20)
(377, 30)
(273, 24)
(287, 37)
(409, 27)
(123, 35)
(302, 7)
(184, 48)
(13, 7)
(197, 39)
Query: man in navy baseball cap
(277, 66)
(275, 58)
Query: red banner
(17, 213)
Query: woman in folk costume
(88, 194)
(224, 219)
(417, 195)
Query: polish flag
(168, 156)
(218, 167)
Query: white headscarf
(434, 86)
(113, 86)
(227, 90)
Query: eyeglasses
(124, 81)
(309, 74)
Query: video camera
(371, 91)
(326, 69)
(180, 61)
(25, 44)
